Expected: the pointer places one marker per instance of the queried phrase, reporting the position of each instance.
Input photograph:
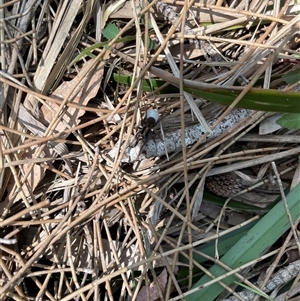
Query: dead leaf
(112, 8)
(158, 285)
(269, 125)
(71, 117)
(88, 91)
(190, 51)
(296, 177)
(80, 253)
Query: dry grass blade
(117, 186)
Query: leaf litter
(74, 207)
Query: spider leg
(140, 135)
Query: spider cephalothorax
(148, 123)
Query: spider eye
(152, 114)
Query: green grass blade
(148, 85)
(262, 294)
(255, 99)
(88, 51)
(225, 242)
(263, 235)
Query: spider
(148, 123)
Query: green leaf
(262, 294)
(255, 99)
(88, 51)
(289, 121)
(292, 77)
(250, 247)
(225, 242)
(110, 31)
(151, 44)
(147, 85)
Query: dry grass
(77, 223)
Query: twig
(155, 147)
(172, 16)
(282, 277)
